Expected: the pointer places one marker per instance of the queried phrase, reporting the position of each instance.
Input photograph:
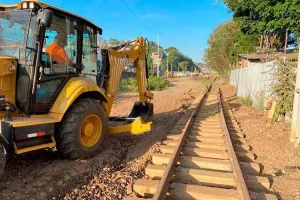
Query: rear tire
(82, 129)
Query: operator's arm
(63, 54)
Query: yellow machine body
(8, 79)
(16, 120)
(133, 53)
(71, 91)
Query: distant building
(200, 66)
(245, 59)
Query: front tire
(82, 129)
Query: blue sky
(185, 24)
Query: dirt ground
(270, 142)
(109, 175)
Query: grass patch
(131, 85)
(202, 79)
(260, 104)
(247, 101)
(297, 151)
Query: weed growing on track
(155, 83)
(204, 80)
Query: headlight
(31, 5)
(24, 5)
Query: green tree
(176, 57)
(267, 19)
(224, 44)
(164, 64)
(184, 65)
(173, 55)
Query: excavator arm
(115, 59)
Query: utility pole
(158, 62)
(296, 103)
(285, 44)
(167, 66)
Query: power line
(136, 16)
(142, 11)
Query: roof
(44, 5)
(254, 56)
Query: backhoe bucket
(139, 120)
(145, 111)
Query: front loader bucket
(145, 111)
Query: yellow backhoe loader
(57, 86)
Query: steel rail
(241, 187)
(164, 183)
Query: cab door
(60, 50)
(89, 53)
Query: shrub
(247, 101)
(128, 85)
(158, 83)
(131, 85)
(284, 86)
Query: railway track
(205, 156)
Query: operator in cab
(57, 52)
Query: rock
(66, 177)
(39, 184)
(59, 183)
(73, 173)
(129, 189)
(41, 195)
(50, 189)
(279, 172)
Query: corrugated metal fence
(254, 81)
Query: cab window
(60, 47)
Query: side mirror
(45, 17)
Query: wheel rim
(91, 130)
